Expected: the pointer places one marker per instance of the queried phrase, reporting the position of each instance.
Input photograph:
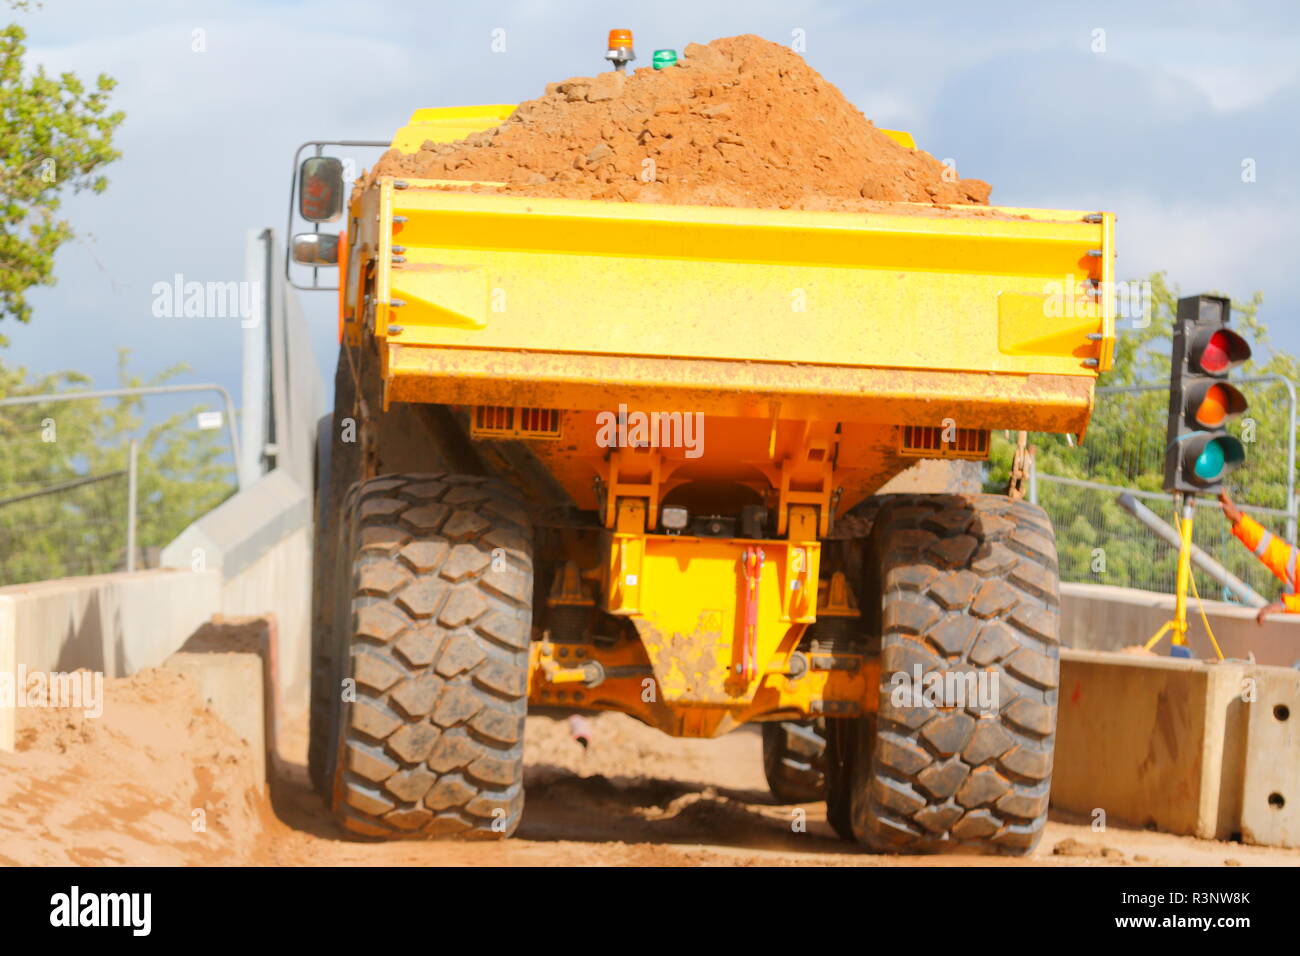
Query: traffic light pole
(1179, 623)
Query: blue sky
(1155, 127)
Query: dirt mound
(739, 122)
(123, 788)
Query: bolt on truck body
(490, 544)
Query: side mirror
(320, 189)
(316, 249)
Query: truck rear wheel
(968, 592)
(431, 627)
(841, 744)
(793, 752)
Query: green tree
(83, 531)
(55, 137)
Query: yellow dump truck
(598, 456)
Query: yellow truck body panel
(822, 351)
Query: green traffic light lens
(1214, 459)
(1210, 462)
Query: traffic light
(1200, 452)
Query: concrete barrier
(1270, 789)
(260, 541)
(1188, 747)
(249, 556)
(115, 624)
(1105, 618)
(233, 663)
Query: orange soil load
(739, 122)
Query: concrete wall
(260, 543)
(936, 476)
(1105, 618)
(249, 556)
(112, 623)
(279, 584)
(115, 623)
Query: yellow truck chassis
(692, 411)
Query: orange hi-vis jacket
(1276, 555)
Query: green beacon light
(664, 58)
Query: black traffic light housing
(1200, 452)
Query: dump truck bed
(908, 315)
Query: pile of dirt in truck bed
(156, 780)
(739, 122)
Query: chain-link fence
(75, 496)
(1101, 543)
(71, 528)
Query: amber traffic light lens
(1213, 408)
(1210, 404)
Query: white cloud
(1231, 246)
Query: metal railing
(142, 390)
(82, 525)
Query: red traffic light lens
(1215, 351)
(1215, 357)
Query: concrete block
(1270, 789)
(1142, 739)
(232, 661)
(279, 584)
(113, 624)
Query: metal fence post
(1033, 478)
(132, 455)
(1290, 463)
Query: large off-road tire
(324, 680)
(793, 754)
(841, 747)
(966, 583)
(424, 676)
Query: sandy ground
(124, 789)
(637, 797)
(157, 780)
